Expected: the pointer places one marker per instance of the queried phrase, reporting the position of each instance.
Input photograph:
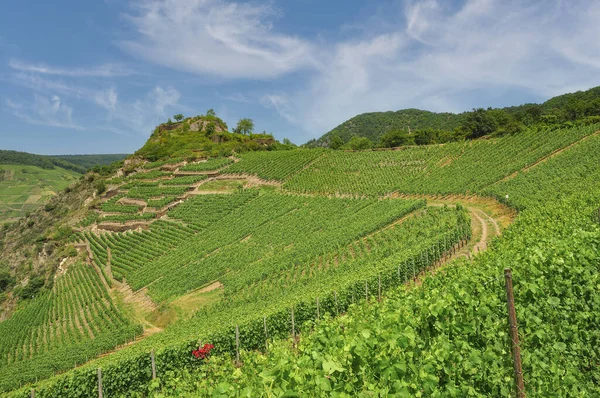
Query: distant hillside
(373, 125)
(413, 126)
(90, 161)
(24, 188)
(76, 163)
(30, 159)
(28, 181)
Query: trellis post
(237, 344)
(514, 333)
(100, 383)
(153, 365)
(337, 311)
(293, 325)
(379, 288)
(318, 310)
(266, 333)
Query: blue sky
(97, 76)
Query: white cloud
(539, 47)
(140, 115)
(46, 111)
(133, 115)
(282, 104)
(107, 99)
(215, 37)
(41, 84)
(235, 97)
(106, 70)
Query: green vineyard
(209, 165)
(76, 321)
(274, 165)
(456, 168)
(329, 273)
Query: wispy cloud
(235, 97)
(40, 83)
(443, 55)
(140, 115)
(46, 111)
(282, 104)
(215, 37)
(106, 70)
(107, 99)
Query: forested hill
(77, 163)
(374, 124)
(418, 127)
(91, 161)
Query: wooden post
(100, 383)
(33, 393)
(293, 325)
(337, 311)
(379, 288)
(399, 274)
(266, 333)
(414, 271)
(153, 365)
(237, 344)
(366, 291)
(318, 312)
(514, 333)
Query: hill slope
(28, 181)
(188, 250)
(90, 161)
(76, 163)
(25, 188)
(375, 124)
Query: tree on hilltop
(211, 112)
(244, 126)
(179, 117)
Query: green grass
(25, 188)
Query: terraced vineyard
(332, 257)
(463, 168)
(209, 165)
(274, 165)
(74, 322)
(574, 171)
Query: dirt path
(483, 240)
(140, 304)
(480, 226)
